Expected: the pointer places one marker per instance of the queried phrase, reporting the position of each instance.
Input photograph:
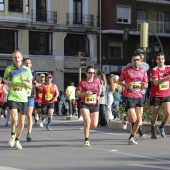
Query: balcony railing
(44, 16)
(156, 27)
(85, 19)
(155, 1)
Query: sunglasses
(91, 72)
(136, 59)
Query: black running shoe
(29, 138)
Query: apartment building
(118, 15)
(51, 33)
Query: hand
(22, 77)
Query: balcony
(155, 1)
(44, 16)
(156, 27)
(78, 19)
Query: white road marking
(149, 166)
(9, 168)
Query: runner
(49, 96)
(18, 79)
(160, 94)
(88, 90)
(30, 93)
(135, 79)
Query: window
(27, 6)
(2, 5)
(8, 41)
(75, 43)
(115, 51)
(40, 43)
(77, 11)
(124, 14)
(15, 5)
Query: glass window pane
(1, 7)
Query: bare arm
(157, 82)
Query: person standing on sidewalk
(30, 93)
(49, 96)
(89, 90)
(145, 66)
(18, 78)
(160, 94)
(135, 79)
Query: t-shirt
(94, 87)
(70, 92)
(135, 78)
(18, 91)
(163, 89)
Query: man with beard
(134, 79)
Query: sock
(16, 139)
(49, 121)
(162, 125)
(131, 136)
(28, 133)
(86, 139)
(12, 133)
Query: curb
(146, 127)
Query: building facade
(118, 15)
(50, 33)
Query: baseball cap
(42, 75)
(112, 75)
(116, 77)
(138, 51)
(49, 76)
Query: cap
(112, 75)
(49, 76)
(42, 75)
(138, 51)
(116, 77)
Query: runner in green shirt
(18, 78)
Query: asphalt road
(62, 149)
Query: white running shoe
(132, 141)
(41, 124)
(18, 145)
(124, 123)
(12, 140)
(36, 116)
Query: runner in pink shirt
(134, 79)
(88, 90)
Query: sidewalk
(117, 125)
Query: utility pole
(81, 62)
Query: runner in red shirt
(88, 90)
(49, 96)
(160, 94)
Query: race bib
(90, 99)
(18, 89)
(48, 97)
(135, 86)
(40, 95)
(164, 85)
(28, 92)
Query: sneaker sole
(29, 139)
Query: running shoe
(161, 131)
(132, 141)
(141, 136)
(36, 116)
(28, 138)
(6, 123)
(124, 123)
(41, 124)
(86, 143)
(48, 128)
(18, 145)
(12, 140)
(153, 135)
